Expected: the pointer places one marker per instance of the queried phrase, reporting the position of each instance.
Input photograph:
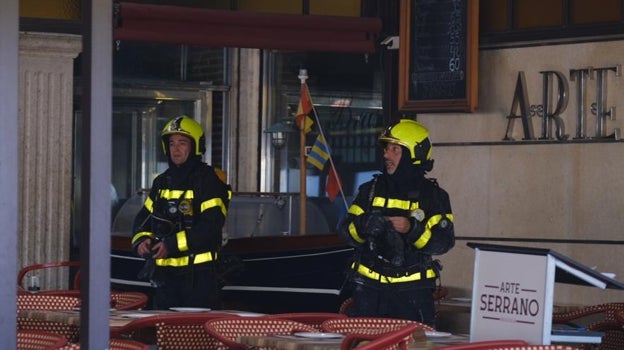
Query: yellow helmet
(411, 135)
(186, 126)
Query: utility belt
(395, 278)
(187, 260)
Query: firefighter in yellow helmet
(396, 223)
(179, 228)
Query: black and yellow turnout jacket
(384, 256)
(186, 209)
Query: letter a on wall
(521, 101)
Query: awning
(218, 28)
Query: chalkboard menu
(438, 55)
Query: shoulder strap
(371, 193)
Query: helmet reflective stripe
(411, 135)
(186, 126)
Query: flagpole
(303, 76)
(331, 160)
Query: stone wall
(561, 195)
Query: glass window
(154, 61)
(153, 83)
(346, 94)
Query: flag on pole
(304, 109)
(333, 185)
(319, 153)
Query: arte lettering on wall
(555, 95)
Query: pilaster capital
(50, 44)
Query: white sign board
(512, 297)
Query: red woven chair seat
(599, 318)
(228, 330)
(371, 326)
(128, 300)
(393, 337)
(69, 332)
(314, 319)
(39, 340)
(351, 324)
(174, 331)
(115, 344)
(46, 302)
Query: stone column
(45, 137)
(245, 123)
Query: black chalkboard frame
(468, 100)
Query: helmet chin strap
(426, 166)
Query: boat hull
(265, 274)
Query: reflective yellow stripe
(398, 204)
(426, 235)
(424, 238)
(367, 272)
(392, 203)
(149, 204)
(212, 203)
(175, 194)
(141, 234)
(354, 234)
(184, 260)
(355, 210)
(181, 239)
(229, 194)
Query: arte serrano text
(509, 303)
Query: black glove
(147, 271)
(417, 230)
(162, 227)
(391, 247)
(370, 225)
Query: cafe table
(309, 342)
(121, 318)
(118, 318)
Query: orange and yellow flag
(304, 110)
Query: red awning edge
(215, 28)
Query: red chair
(39, 302)
(227, 330)
(39, 340)
(370, 325)
(127, 344)
(314, 319)
(119, 300)
(115, 344)
(46, 302)
(394, 337)
(25, 270)
(128, 300)
(352, 324)
(171, 331)
(598, 318)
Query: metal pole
(9, 165)
(97, 31)
(303, 76)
